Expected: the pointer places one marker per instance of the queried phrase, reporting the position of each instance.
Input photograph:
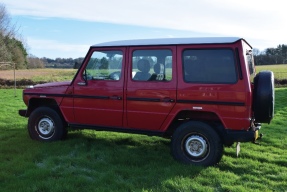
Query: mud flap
(237, 148)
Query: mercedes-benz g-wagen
(202, 93)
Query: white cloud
(259, 20)
(50, 47)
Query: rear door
(151, 86)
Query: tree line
(62, 62)
(269, 56)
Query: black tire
(196, 143)
(263, 97)
(45, 124)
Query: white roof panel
(170, 41)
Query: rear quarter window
(213, 66)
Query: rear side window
(215, 66)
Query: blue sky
(66, 28)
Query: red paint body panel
(53, 84)
(53, 91)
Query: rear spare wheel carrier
(263, 97)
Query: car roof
(170, 41)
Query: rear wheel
(45, 124)
(196, 143)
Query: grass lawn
(106, 161)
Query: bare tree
(11, 48)
(34, 62)
(6, 28)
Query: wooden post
(14, 66)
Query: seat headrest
(143, 65)
(158, 68)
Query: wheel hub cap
(46, 126)
(196, 146)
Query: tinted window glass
(209, 66)
(152, 65)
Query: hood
(53, 84)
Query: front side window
(104, 65)
(152, 65)
(215, 66)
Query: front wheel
(45, 124)
(196, 143)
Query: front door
(98, 89)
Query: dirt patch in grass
(21, 74)
(281, 82)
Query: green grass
(106, 161)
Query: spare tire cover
(263, 97)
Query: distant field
(49, 75)
(280, 71)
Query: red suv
(200, 92)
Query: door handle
(82, 83)
(167, 99)
(115, 97)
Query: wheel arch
(210, 118)
(34, 103)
